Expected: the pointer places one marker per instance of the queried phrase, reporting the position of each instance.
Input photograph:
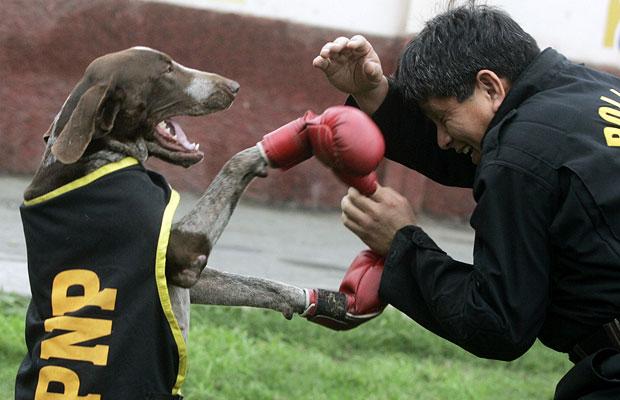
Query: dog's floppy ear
(93, 117)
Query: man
(537, 138)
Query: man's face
(462, 125)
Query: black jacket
(547, 220)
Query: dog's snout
(233, 86)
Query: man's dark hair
(444, 58)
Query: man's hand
(376, 219)
(352, 66)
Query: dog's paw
(261, 170)
(287, 312)
(248, 162)
(188, 277)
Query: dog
(110, 273)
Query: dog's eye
(170, 68)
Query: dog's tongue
(170, 135)
(181, 137)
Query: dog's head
(126, 99)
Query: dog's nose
(234, 87)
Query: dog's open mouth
(170, 136)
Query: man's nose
(443, 139)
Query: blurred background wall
(268, 47)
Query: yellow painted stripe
(83, 181)
(162, 288)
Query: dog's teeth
(169, 129)
(196, 146)
(164, 126)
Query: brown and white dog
(120, 109)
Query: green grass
(240, 353)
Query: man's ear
(93, 117)
(496, 88)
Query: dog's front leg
(225, 289)
(193, 237)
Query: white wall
(577, 28)
(380, 17)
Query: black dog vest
(100, 324)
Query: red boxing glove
(366, 184)
(288, 145)
(346, 140)
(357, 300)
(343, 138)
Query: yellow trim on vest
(162, 288)
(83, 181)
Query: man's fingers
(339, 50)
(325, 50)
(384, 194)
(359, 45)
(331, 49)
(341, 41)
(351, 225)
(320, 63)
(342, 48)
(380, 193)
(351, 212)
(364, 203)
(357, 222)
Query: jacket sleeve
(495, 307)
(411, 140)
